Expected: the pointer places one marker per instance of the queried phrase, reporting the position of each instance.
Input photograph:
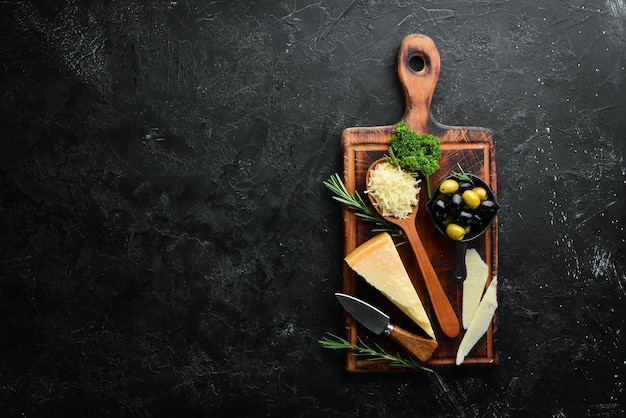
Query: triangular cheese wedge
(378, 262)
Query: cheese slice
(473, 285)
(480, 322)
(378, 262)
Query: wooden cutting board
(418, 65)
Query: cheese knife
(379, 323)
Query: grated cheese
(394, 190)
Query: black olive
(488, 208)
(456, 200)
(464, 217)
(464, 185)
(439, 209)
(479, 221)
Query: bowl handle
(459, 271)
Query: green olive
(449, 186)
(454, 231)
(481, 192)
(471, 199)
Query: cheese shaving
(480, 322)
(394, 190)
(474, 284)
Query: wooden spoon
(443, 309)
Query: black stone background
(168, 248)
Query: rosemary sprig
(360, 208)
(462, 175)
(378, 353)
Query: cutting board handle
(418, 70)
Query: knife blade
(379, 323)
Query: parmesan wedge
(473, 285)
(378, 262)
(481, 321)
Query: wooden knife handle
(420, 347)
(441, 305)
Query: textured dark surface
(168, 248)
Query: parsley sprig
(334, 342)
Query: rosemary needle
(462, 175)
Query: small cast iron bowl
(482, 219)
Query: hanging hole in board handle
(418, 63)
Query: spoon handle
(443, 309)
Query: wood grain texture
(471, 147)
(422, 348)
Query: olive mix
(462, 209)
